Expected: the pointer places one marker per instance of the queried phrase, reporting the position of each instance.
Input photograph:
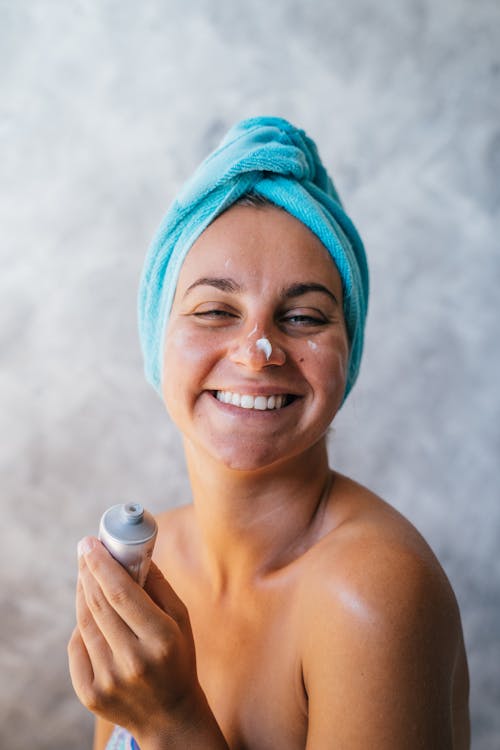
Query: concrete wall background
(105, 108)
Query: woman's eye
(214, 314)
(304, 320)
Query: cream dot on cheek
(312, 345)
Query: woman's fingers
(162, 593)
(113, 650)
(97, 646)
(118, 596)
(80, 666)
(133, 648)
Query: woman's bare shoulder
(381, 627)
(372, 560)
(361, 526)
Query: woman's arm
(381, 654)
(132, 657)
(102, 732)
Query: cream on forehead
(265, 346)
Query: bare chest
(249, 667)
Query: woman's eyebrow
(225, 285)
(230, 285)
(297, 290)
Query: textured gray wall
(105, 108)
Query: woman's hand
(132, 656)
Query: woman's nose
(256, 351)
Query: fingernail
(85, 546)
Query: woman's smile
(259, 403)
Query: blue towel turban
(269, 157)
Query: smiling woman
(288, 607)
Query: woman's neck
(253, 523)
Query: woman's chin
(247, 461)
(251, 456)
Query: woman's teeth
(245, 401)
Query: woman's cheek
(192, 349)
(188, 357)
(331, 359)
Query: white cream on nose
(265, 346)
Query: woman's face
(256, 347)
